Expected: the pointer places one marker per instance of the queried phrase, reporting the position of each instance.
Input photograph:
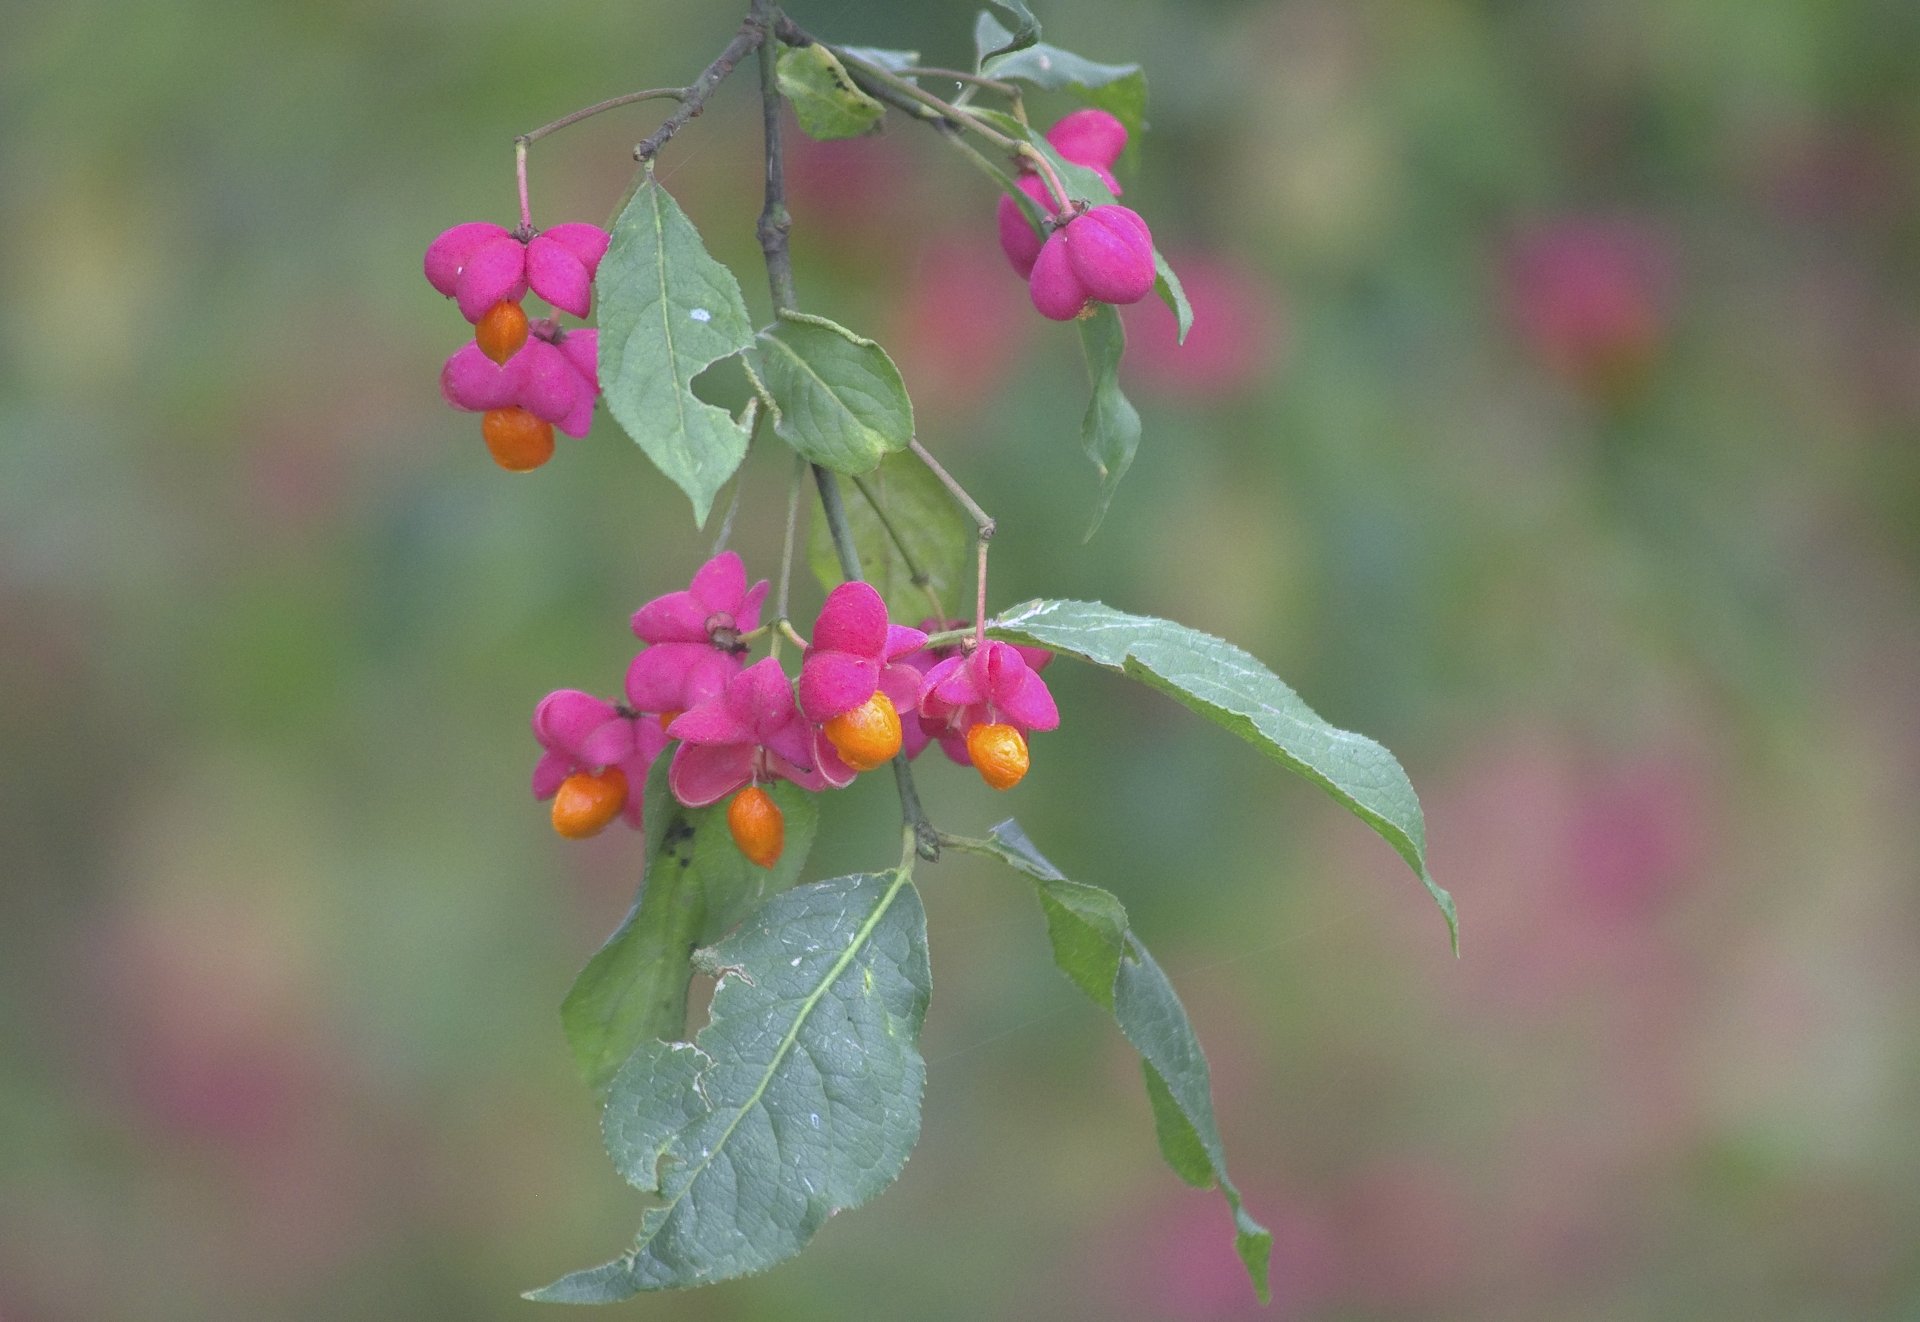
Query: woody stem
(775, 222)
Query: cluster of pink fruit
(523, 377)
(868, 691)
(1086, 255)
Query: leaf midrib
(860, 938)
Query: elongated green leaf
(1110, 428)
(1094, 947)
(799, 1099)
(992, 36)
(824, 98)
(1119, 89)
(837, 397)
(1174, 295)
(1232, 689)
(668, 311)
(938, 534)
(697, 887)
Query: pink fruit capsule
(1055, 288)
(1018, 238)
(1089, 137)
(1111, 252)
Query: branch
(774, 224)
(611, 103)
(752, 34)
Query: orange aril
(587, 801)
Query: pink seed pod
(1054, 287)
(1111, 252)
(1090, 137)
(1018, 238)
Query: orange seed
(518, 441)
(501, 331)
(999, 754)
(868, 736)
(587, 801)
(758, 829)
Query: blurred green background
(1552, 417)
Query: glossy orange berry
(518, 441)
(758, 829)
(587, 801)
(501, 331)
(868, 736)
(999, 754)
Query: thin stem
(948, 637)
(1064, 205)
(968, 844)
(947, 109)
(753, 33)
(520, 176)
(786, 546)
(980, 599)
(916, 572)
(1008, 90)
(836, 513)
(600, 107)
(749, 421)
(982, 520)
(983, 533)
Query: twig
(773, 227)
(836, 512)
(786, 547)
(982, 520)
(916, 572)
(983, 533)
(753, 33)
(611, 103)
(1008, 90)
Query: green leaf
(668, 311)
(992, 36)
(1110, 428)
(697, 886)
(837, 397)
(799, 1099)
(1167, 285)
(1118, 89)
(1231, 688)
(938, 534)
(1094, 947)
(824, 98)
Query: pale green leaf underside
(992, 36)
(697, 886)
(823, 96)
(837, 398)
(938, 534)
(799, 1099)
(889, 59)
(1119, 89)
(1091, 942)
(1110, 428)
(668, 311)
(1231, 688)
